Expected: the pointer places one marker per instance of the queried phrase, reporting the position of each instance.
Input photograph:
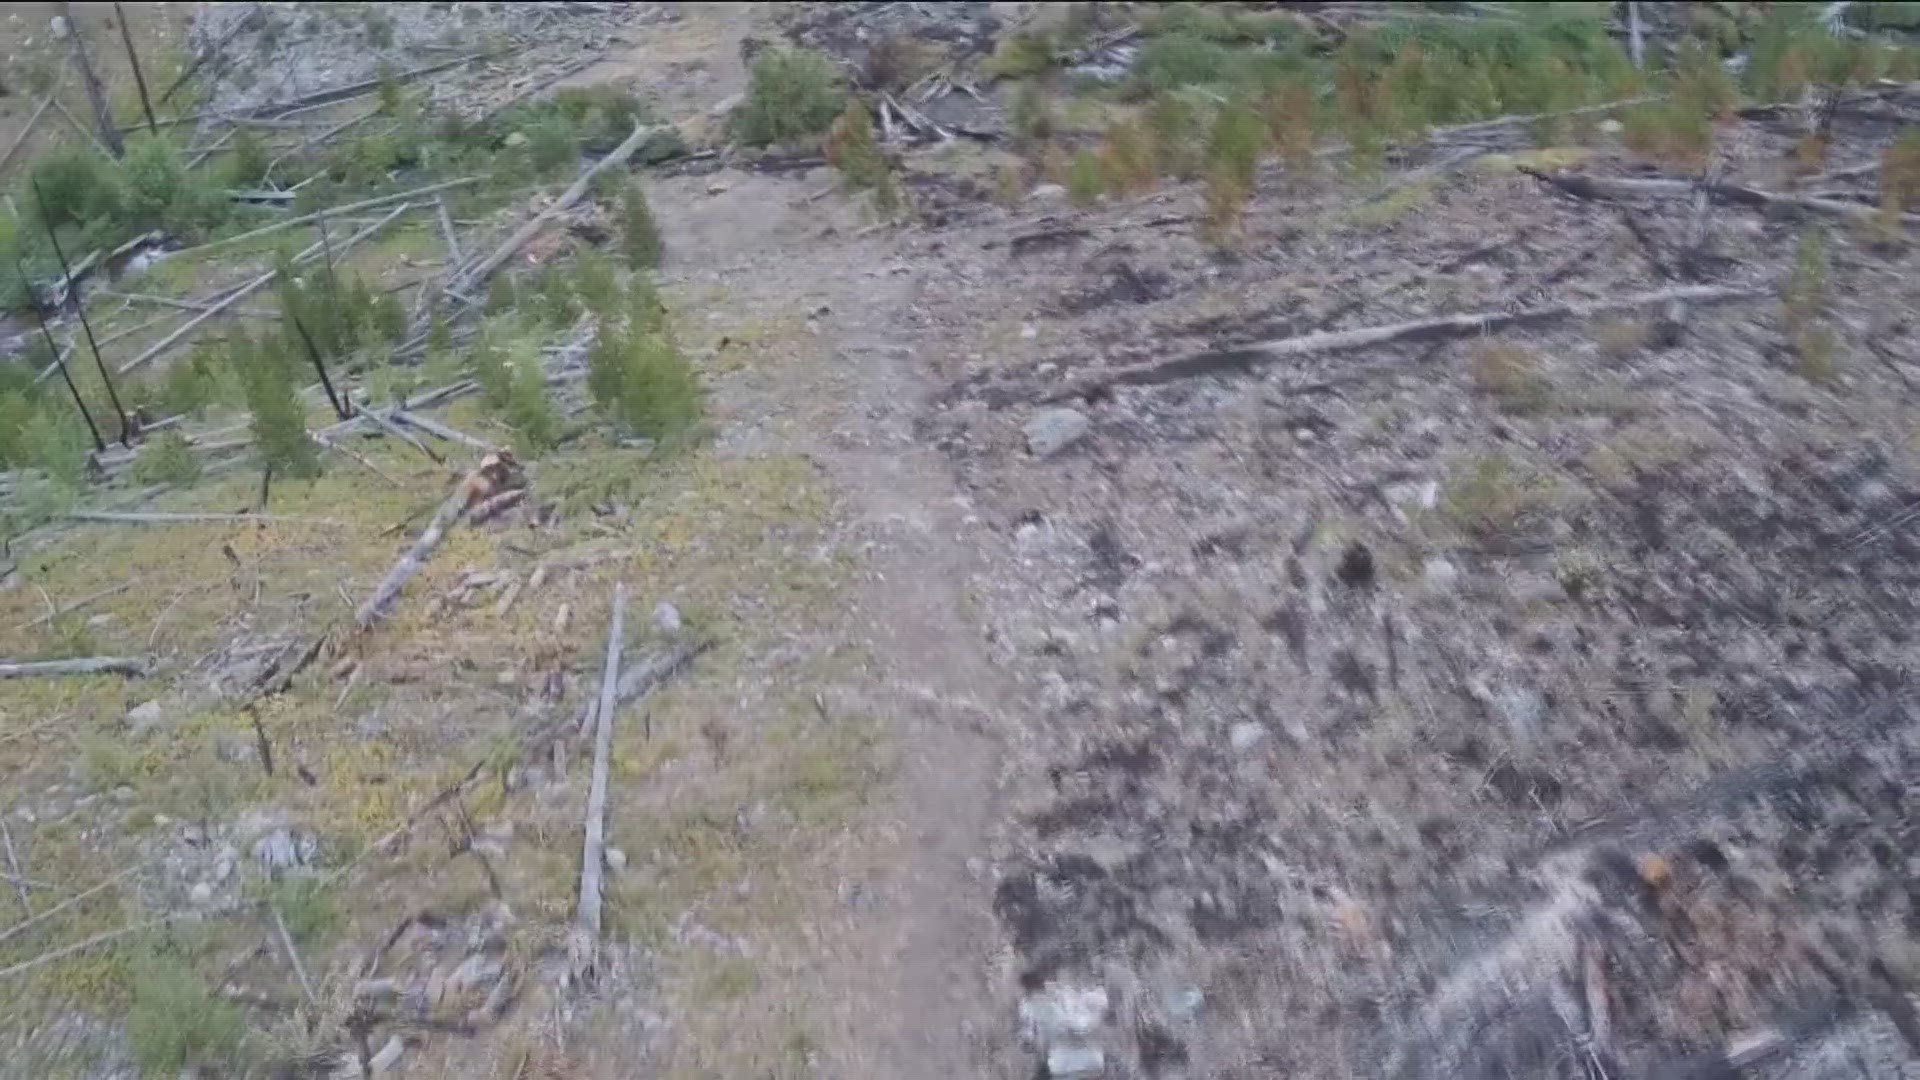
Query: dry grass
(1510, 374)
(1620, 338)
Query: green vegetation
(1804, 304)
(1491, 496)
(639, 233)
(1083, 178)
(851, 148)
(792, 99)
(638, 376)
(279, 419)
(176, 1020)
(1510, 375)
(168, 460)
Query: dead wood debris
(586, 936)
(1437, 329)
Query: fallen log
(469, 281)
(593, 853)
(201, 519)
(488, 475)
(247, 289)
(1607, 188)
(68, 609)
(84, 665)
(1445, 327)
(436, 428)
(308, 219)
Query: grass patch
(1510, 375)
(176, 1020)
(1492, 497)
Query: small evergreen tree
(640, 234)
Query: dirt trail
(902, 980)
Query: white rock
(1439, 575)
(59, 27)
(389, 1056)
(666, 617)
(1062, 1010)
(1184, 1003)
(1611, 127)
(518, 138)
(143, 718)
(616, 859)
(202, 892)
(1053, 430)
(1029, 331)
(1070, 1060)
(1246, 735)
(1047, 192)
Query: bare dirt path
(903, 979)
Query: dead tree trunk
(109, 134)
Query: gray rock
(388, 1057)
(667, 617)
(1524, 710)
(616, 859)
(1068, 1059)
(1183, 1004)
(202, 892)
(1047, 193)
(1246, 735)
(285, 849)
(1528, 589)
(1439, 576)
(476, 972)
(143, 718)
(376, 990)
(1061, 1011)
(1053, 430)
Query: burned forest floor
(1449, 616)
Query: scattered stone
(143, 718)
(284, 849)
(1439, 576)
(666, 617)
(1029, 331)
(1611, 127)
(1524, 709)
(1246, 735)
(1048, 193)
(389, 1055)
(376, 989)
(1060, 1011)
(1529, 589)
(202, 892)
(518, 138)
(616, 859)
(475, 973)
(59, 27)
(1183, 1004)
(1053, 430)
(1070, 1060)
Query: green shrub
(1083, 178)
(1019, 55)
(600, 114)
(278, 418)
(643, 383)
(188, 386)
(16, 411)
(1032, 118)
(639, 233)
(160, 194)
(1900, 172)
(500, 294)
(57, 443)
(167, 460)
(176, 1020)
(552, 298)
(646, 312)
(594, 283)
(75, 187)
(491, 371)
(248, 162)
(1235, 144)
(530, 411)
(1178, 135)
(550, 145)
(386, 319)
(793, 97)
(852, 150)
